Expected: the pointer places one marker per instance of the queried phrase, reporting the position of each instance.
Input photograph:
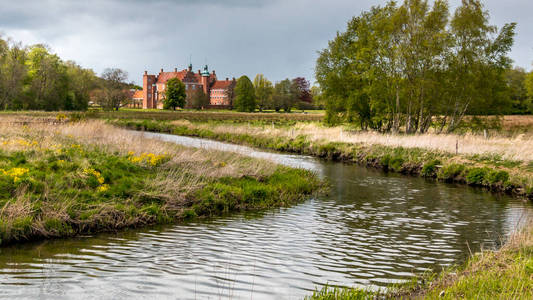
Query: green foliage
(429, 169)
(263, 92)
(174, 94)
(338, 293)
(285, 95)
(244, 95)
(529, 87)
(450, 172)
(34, 78)
(89, 190)
(199, 99)
(477, 176)
(494, 177)
(410, 65)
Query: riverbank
(503, 274)
(502, 164)
(60, 179)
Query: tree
(174, 94)
(229, 92)
(285, 95)
(244, 95)
(48, 87)
(12, 73)
(516, 80)
(318, 98)
(529, 87)
(113, 92)
(411, 65)
(263, 91)
(80, 83)
(199, 99)
(303, 89)
(34, 78)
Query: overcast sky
(279, 38)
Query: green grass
(503, 274)
(486, 171)
(71, 189)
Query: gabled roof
(221, 84)
(137, 94)
(165, 76)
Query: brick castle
(154, 87)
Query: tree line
(414, 66)
(261, 94)
(34, 78)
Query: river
(371, 230)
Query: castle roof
(165, 76)
(221, 84)
(137, 94)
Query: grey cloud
(278, 38)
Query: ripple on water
(372, 230)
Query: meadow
(62, 178)
(501, 160)
(102, 177)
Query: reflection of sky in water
(372, 229)
(295, 161)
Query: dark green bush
(497, 177)
(430, 168)
(450, 172)
(477, 176)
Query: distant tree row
(263, 95)
(34, 78)
(414, 66)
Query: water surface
(372, 229)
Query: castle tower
(205, 80)
(148, 93)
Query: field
(203, 183)
(60, 178)
(499, 160)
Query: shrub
(396, 163)
(430, 168)
(497, 177)
(477, 176)
(450, 172)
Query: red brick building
(154, 87)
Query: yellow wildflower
(15, 173)
(102, 188)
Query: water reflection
(371, 230)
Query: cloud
(277, 38)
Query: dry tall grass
(519, 147)
(96, 133)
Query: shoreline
(438, 165)
(71, 179)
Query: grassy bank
(500, 164)
(64, 179)
(503, 274)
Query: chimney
(227, 78)
(145, 72)
(161, 70)
(213, 72)
(175, 70)
(199, 72)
